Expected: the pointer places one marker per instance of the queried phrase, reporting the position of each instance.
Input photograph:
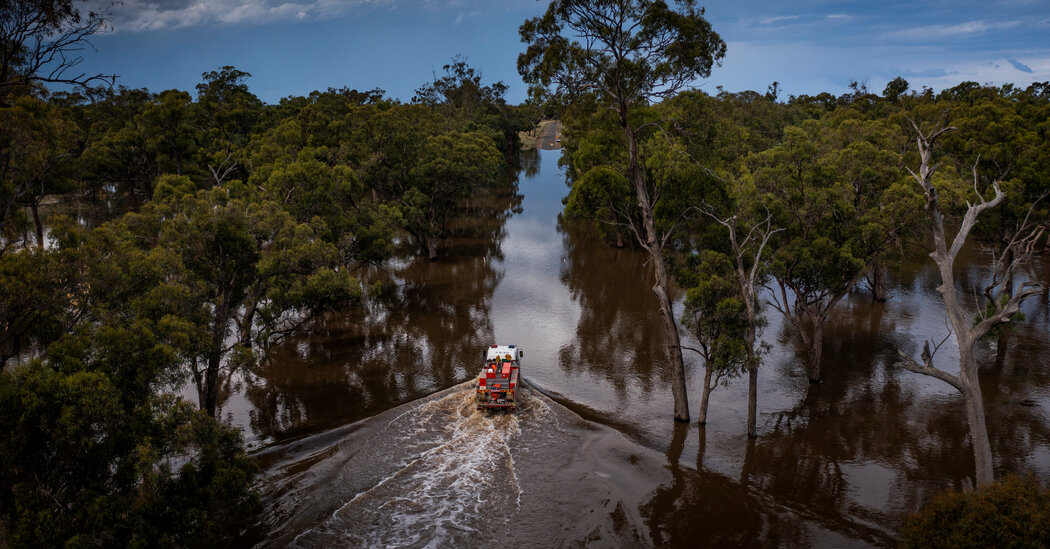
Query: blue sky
(292, 47)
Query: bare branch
(912, 365)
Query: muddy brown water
(367, 436)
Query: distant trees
(37, 145)
(627, 53)
(451, 167)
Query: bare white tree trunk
(962, 323)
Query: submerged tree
(726, 306)
(628, 52)
(999, 303)
(253, 270)
(833, 187)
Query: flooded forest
(748, 320)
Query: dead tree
(1000, 303)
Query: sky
(292, 47)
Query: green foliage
(1013, 512)
(36, 145)
(36, 306)
(605, 196)
(172, 187)
(450, 168)
(93, 456)
(715, 313)
(658, 50)
(834, 186)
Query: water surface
(367, 434)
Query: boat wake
(439, 473)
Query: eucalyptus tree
(229, 113)
(459, 93)
(723, 308)
(40, 41)
(37, 144)
(628, 52)
(833, 187)
(1005, 129)
(450, 168)
(997, 304)
(254, 271)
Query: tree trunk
(752, 402)
(878, 284)
(1008, 287)
(702, 416)
(749, 461)
(211, 383)
(815, 349)
(674, 348)
(211, 373)
(654, 246)
(35, 208)
(982, 449)
(749, 353)
(701, 448)
(431, 245)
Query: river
(366, 433)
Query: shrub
(1013, 512)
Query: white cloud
(147, 15)
(840, 16)
(464, 15)
(777, 19)
(934, 32)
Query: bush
(1014, 512)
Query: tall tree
(39, 44)
(1000, 305)
(459, 93)
(724, 307)
(450, 168)
(37, 142)
(628, 52)
(229, 112)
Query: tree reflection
(855, 453)
(701, 509)
(425, 334)
(618, 335)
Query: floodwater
(367, 436)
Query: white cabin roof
(500, 352)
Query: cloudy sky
(292, 47)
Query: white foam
(456, 472)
